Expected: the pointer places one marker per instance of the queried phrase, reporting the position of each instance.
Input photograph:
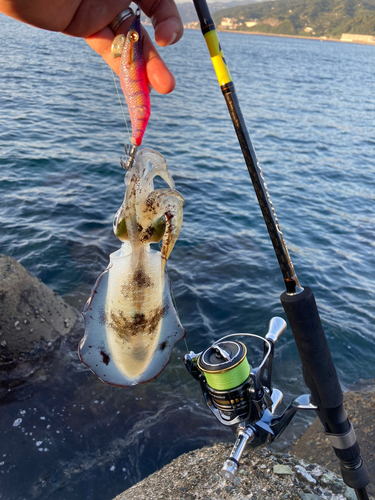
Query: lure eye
(133, 36)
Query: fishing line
(122, 107)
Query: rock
(338, 486)
(327, 480)
(32, 317)
(310, 496)
(190, 476)
(282, 469)
(359, 404)
(350, 494)
(316, 473)
(303, 475)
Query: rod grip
(321, 378)
(319, 371)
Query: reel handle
(230, 467)
(276, 327)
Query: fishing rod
(241, 397)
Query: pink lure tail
(134, 82)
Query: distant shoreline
(319, 39)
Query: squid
(131, 324)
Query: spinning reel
(241, 397)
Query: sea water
(309, 107)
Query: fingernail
(174, 36)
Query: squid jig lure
(133, 82)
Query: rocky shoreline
(34, 320)
(317, 38)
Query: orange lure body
(134, 82)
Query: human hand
(89, 19)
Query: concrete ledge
(262, 475)
(310, 472)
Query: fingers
(165, 19)
(168, 30)
(91, 16)
(158, 74)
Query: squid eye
(133, 36)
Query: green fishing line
(230, 378)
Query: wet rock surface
(32, 318)
(263, 475)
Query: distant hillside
(188, 14)
(315, 18)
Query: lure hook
(130, 151)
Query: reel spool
(227, 378)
